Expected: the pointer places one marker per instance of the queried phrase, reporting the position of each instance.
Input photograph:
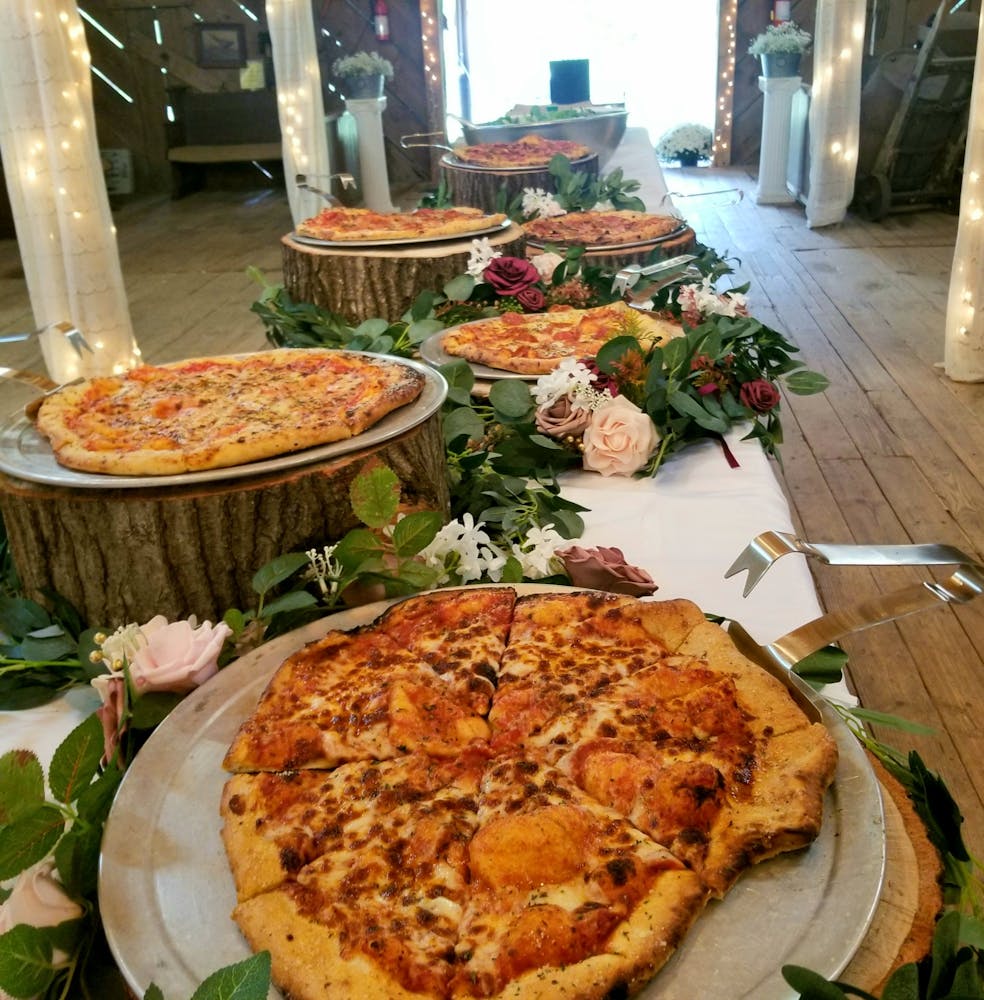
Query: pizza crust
(602, 228)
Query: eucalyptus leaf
(462, 423)
(48, 648)
(422, 306)
(903, 984)
(420, 330)
(21, 785)
(511, 398)
(458, 374)
(278, 570)
(20, 616)
(76, 760)
(806, 383)
(811, 985)
(458, 289)
(29, 839)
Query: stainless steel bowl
(602, 131)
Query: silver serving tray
(382, 244)
(451, 160)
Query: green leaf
(356, 547)
(246, 980)
(151, 709)
(94, 802)
(895, 721)
(567, 523)
(689, 407)
(946, 941)
(415, 532)
(20, 616)
(463, 423)
(903, 984)
(292, 601)
(805, 383)
(29, 839)
(278, 570)
(21, 785)
(420, 330)
(25, 961)
(76, 760)
(511, 398)
(153, 992)
(612, 353)
(421, 306)
(811, 985)
(77, 858)
(825, 666)
(47, 647)
(512, 572)
(375, 496)
(458, 289)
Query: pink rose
(531, 299)
(510, 275)
(605, 568)
(619, 439)
(39, 900)
(110, 713)
(177, 656)
(759, 395)
(559, 419)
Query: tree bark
(126, 555)
(362, 284)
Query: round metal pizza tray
(25, 452)
(539, 243)
(432, 351)
(411, 241)
(450, 160)
(163, 860)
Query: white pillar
(774, 153)
(374, 180)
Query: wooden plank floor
(892, 452)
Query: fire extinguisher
(381, 21)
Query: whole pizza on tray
(602, 228)
(337, 224)
(534, 343)
(479, 795)
(210, 413)
(530, 151)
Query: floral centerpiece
(364, 73)
(686, 143)
(780, 47)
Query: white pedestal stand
(774, 152)
(368, 115)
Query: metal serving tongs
(406, 144)
(962, 586)
(71, 333)
(668, 271)
(348, 181)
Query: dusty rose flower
(619, 439)
(531, 299)
(39, 900)
(546, 264)
(110, 713)
(559, 419)
(759, 395)
(510, 275)
(605, 568)
(178, 656)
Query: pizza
(337, 224)
(601, 229)
(530, 151)
(482, 795)
(534, 343)
(211, 413)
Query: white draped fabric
(57, 191)
(302, 112)
(835, 109)
(964, 344)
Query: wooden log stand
(362, 284)
(484, 188)
(125, 555)
(644, 253)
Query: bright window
(658, 56)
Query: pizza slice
(566, 898)
(380, 915)
(460, 633)
(353, 696)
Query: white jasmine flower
(566, 379)
(325, 569)
(537, 203)
(464, 552)
(482, 253)
(537, 552)
(706, 301)
(546, 264)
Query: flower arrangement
(784, 37)
(685, 142)
(362, 64)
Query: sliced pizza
(531, 151)
(338, 224)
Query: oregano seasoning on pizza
(480, 795)
(211, 413)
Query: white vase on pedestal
(774, 153)
(374, 179)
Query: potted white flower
(687, 144)
(363, 74)
(780, 48)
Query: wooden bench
(218, 128)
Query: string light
(433, 72)
(727, 42)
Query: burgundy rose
(759, 395)
(603, 382)
(510, 275)
(531, 299)
(559, 419)
(605, 568)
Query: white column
(774, 152)
(374, 182)
(65, 230)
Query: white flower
(122, 646)
(546, 264)
(482, 253)
(325, 569)
(537, 552)
(464, 553)
(567, 379)
(706, 301)
(682, 139)
(538, 203)
(603, 206)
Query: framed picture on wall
(221, 46)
